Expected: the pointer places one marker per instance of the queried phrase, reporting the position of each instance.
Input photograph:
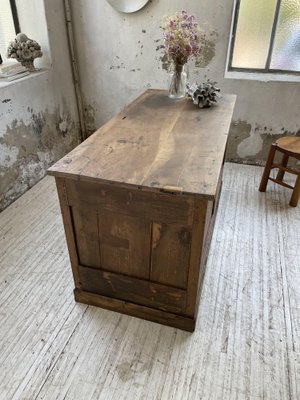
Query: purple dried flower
(183, 37)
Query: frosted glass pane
(253, 33)
(7, 29)
(286, 51)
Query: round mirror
(128, 6)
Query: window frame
(14, 13)
(267, 69)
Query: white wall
(38, 114)
(119, 60)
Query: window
(9, 24)
(266, 36)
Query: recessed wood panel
(170, 254)
(131, 289)
(86, 236)
(124, 244)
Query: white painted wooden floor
(247, 341)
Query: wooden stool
(290, 147)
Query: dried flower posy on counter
(182, 36)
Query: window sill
(256, 76)
(4, 83)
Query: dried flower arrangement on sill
(204, 95)
(24, 50)
(183, 39)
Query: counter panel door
(135, 236)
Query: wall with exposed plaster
(38, 114)
(120, 56)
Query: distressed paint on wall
(209, 49)
(89, 119)
(250, 144)
(38, 115)
(27, 150)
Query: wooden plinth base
(135, 310)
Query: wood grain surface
(156, 142)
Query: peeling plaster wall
(120, 56)
(39, 121)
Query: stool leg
(265, 177)
(296, 193)
(284, 162)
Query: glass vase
(177, 81)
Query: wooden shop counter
(138, 200)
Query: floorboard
(246, 345)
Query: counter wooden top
(153, 143)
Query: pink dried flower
(183, 37)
